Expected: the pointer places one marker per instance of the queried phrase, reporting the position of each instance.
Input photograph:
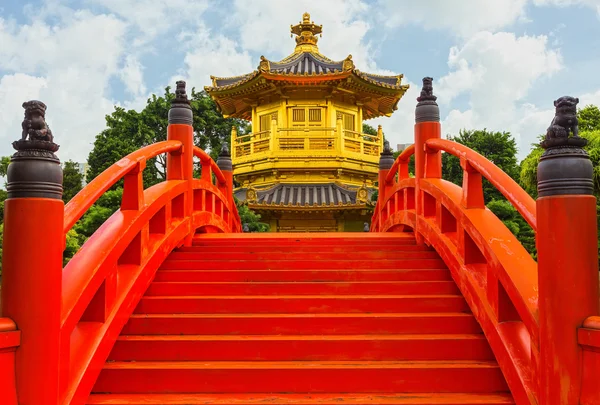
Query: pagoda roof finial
(306, 31)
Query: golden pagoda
(307, 165)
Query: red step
(304, 275)
(300, 376)
(408, 263)
(302, 319)
(298, 324)
(300, 288)
(300, 304)
(302, 399)
(302, 255)
(336, 248)
(301, 348)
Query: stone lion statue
(34, 124)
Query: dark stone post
(32, 257)
(386, 161)
(224, 163)
(567, 238)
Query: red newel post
(32, 257)
(427, 126)
(180, 165)
(567, 238)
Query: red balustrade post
(32, 258)
(386, 161)
(427, 126)
(224, 163)
(180, 165)
(567, 243)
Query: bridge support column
(180, 166)
(32, 258)
(567, 242)
(427, 126)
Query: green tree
(369, 130)
(127, 131)
(498, 147)
(72, 180)
(4, 162)
(589, 118)
(515, 223)
(250, 218)
(98, 213)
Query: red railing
(496, 275)
(103, 282)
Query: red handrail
(83, 200)
(509, 188)
(205, 157)
(402, 159)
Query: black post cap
(565, 167)
(224, 160)
(427, 109)
(34, 170)
(180, 111)
(386, 159)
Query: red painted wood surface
(529, 325)
(395, 334)
(10, 339)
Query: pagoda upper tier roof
(306, 66)
(306, 63)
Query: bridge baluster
(32, 257)
(133, 188)
(472, 187)
(567, 256)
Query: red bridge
(169, 303)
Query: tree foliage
(369, 130)
(72, 180)
(498, 147)
(589, 118)
(128, 130)
(250, 218)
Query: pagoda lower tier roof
(304, 195)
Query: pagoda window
(307, 117)
(348, 122)
(265, 122)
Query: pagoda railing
(305, 141)
(71, 317)
(540, 319)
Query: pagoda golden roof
(306, 66)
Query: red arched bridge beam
(71, 317)
(530, 317)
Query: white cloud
(464, 17)
(594, 4)
(212, 54)
(265, 27)
(496, 72)
(56, 64)
(151, 18)
(133, 76)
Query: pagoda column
(567, 244)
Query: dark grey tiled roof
(306, 63)
(306, 194)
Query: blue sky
(497, 64)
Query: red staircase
(302, 319)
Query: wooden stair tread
(301, 399)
